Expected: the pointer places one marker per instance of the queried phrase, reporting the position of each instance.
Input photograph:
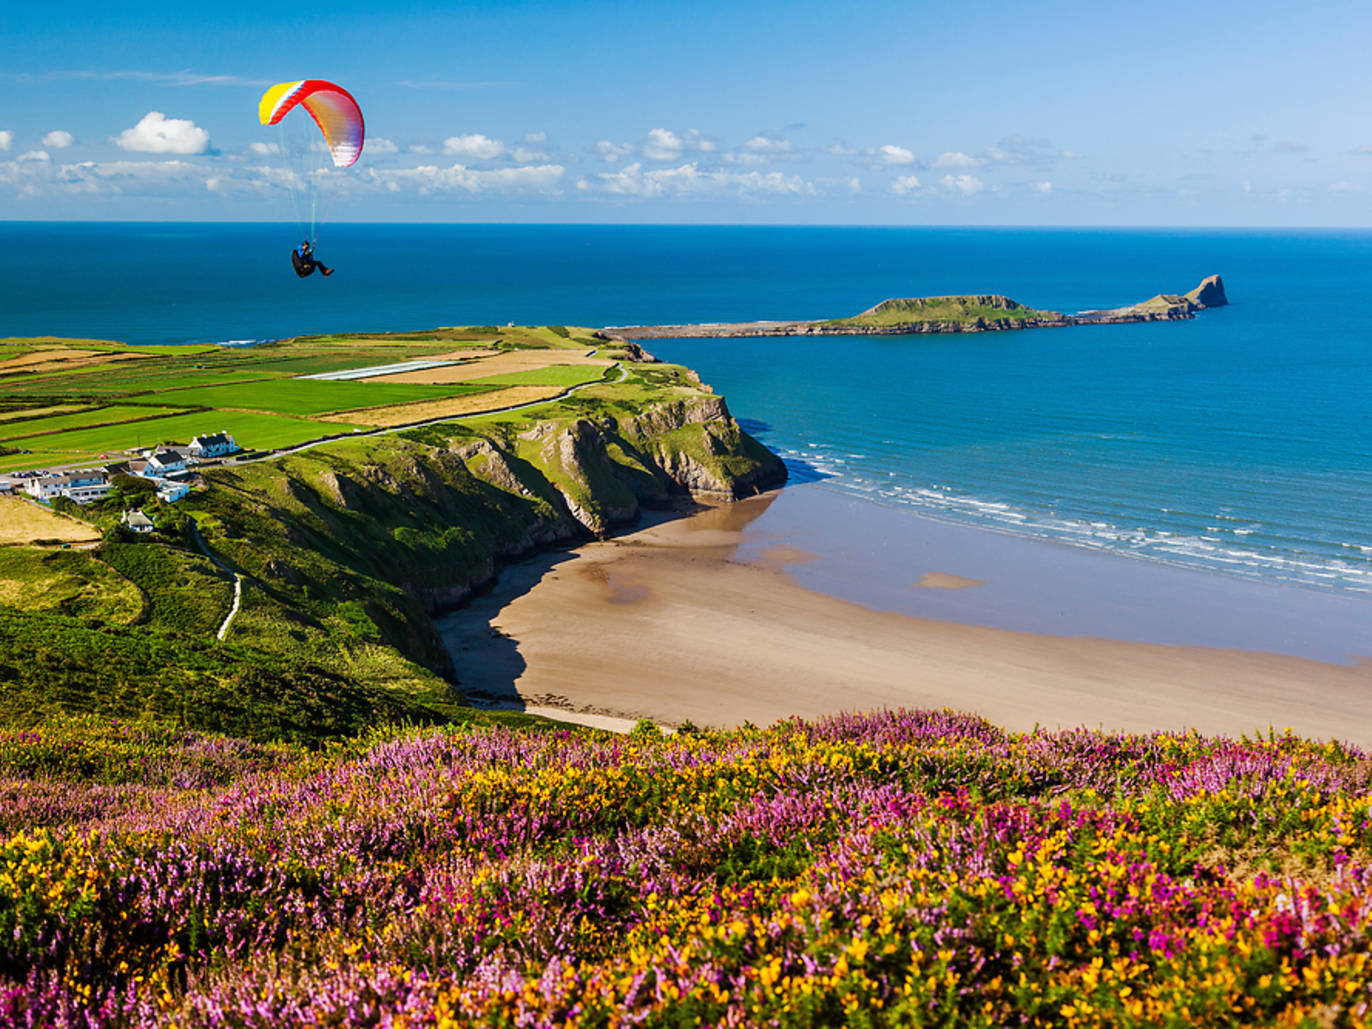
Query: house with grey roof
(137, 521)
(215, 444)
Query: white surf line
(623, 374)
(237, 582)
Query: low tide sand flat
(664, 623)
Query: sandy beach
(705, 619)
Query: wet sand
(708, 619)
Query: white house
(214, 445)
(137, 521)
(83, 487)
(170, 490)
(164, 462)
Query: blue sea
(1239, 443)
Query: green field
(40, 459)
(252, 431)
(315, 396)
(112, 415)
(119, 382)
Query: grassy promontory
(897, 869)
(982, 312)
(343, 549)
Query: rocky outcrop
(1210, 293)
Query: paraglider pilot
(304, 261)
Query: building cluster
(169, 468)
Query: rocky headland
(903, 316)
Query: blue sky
(1062, 112)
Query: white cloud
(35, 155)
(1072, 155)
(380, 145)
(612, 152)
(475, 147)
(1361, 151)
(904, 184)
(1042, 187)
(666, 145)
(265, 149)
(543, 178)
(535, 137)
(839, 150)
(749, 160)
(58, 139)
(663, 145)
(689, 180)
(6, 139)
(964, 184)
(768, 145)
(891, 154)
(158, 134)
(1344, 186)
(957, 159)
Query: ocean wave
(1213, 545)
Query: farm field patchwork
(256, 393)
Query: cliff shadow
(486, 661)
(798, 470)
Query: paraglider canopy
(331, 106)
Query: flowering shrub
(902, 868)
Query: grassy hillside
(345, 550)
(901, 869)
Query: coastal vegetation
(894, 869)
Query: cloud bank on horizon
(771, 113)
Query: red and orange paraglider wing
(331, 106)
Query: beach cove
(805, 602)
